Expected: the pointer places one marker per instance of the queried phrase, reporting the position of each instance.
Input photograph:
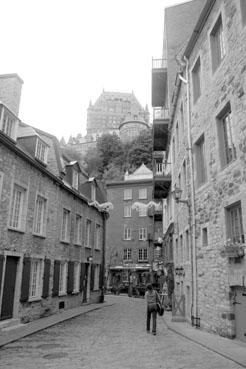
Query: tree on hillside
(140, 151)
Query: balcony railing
(162, 169)
(160, 114)
(159, 63)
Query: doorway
(240, 313)
(85, 281)
(9, 288)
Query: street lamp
(90, 259)
(177, 192)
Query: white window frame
(18, 209)
(41, 150)
(36, 279)
(88, 233)
(127, 254)
(77, 269)
(142, 193)
(9, 129)
(143, 254)
(127, 210)
(142, 234)
(39, 224)
(63, 278)
(78, 235)
(65, 225)
(127, 233)
(127, 193)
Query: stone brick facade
(204, 119)
(49, 260)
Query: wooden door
(240, 314)
(9, 288)
(85, 282)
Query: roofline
(8, 142)
(131, 182)
(199, 26)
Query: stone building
(131, 230)
(203, 139)
(52, 226)
(110, 110)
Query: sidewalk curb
(202, 344)
(43, 323)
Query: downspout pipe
(194, 309)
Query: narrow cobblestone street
(112, 337)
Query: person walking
(151, 297)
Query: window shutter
(92, 276)
(25, 279)
(70, 277)
(82, 277)
(1, 269)
(55, 291)
(46, 278)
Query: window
(143, 211)
(75, 179)
(142, 234)
(142, 193)
(201, 169)
(127, 210)
(76, 277)
(182, 117)
(159, 167)
(142, 255)
(98, 237)
(8, 122)
(127, 254)
(65, 225)
(39, 217)
(17, 216)
(127, 194)
(88, 233)
(93, 192)
(35, 288)
(243, 10)
(196, 80)
(63, 278)
(235, 223)
(205, 237)
(177, 250)
(127, 233)
(96, 277)
(226, 137)
(78, 229)
(41, 151)
(217, 44)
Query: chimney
(10, 91)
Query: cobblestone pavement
(112, 337)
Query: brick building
(131, 230)
(202, 136)
(52, 226)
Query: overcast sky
(68, 51)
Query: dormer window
(8, 122)
(75, 180)
(41, 152)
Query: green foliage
(111, 158)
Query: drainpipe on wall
(194, 308)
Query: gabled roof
(141, 173)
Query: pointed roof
(141, 173)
